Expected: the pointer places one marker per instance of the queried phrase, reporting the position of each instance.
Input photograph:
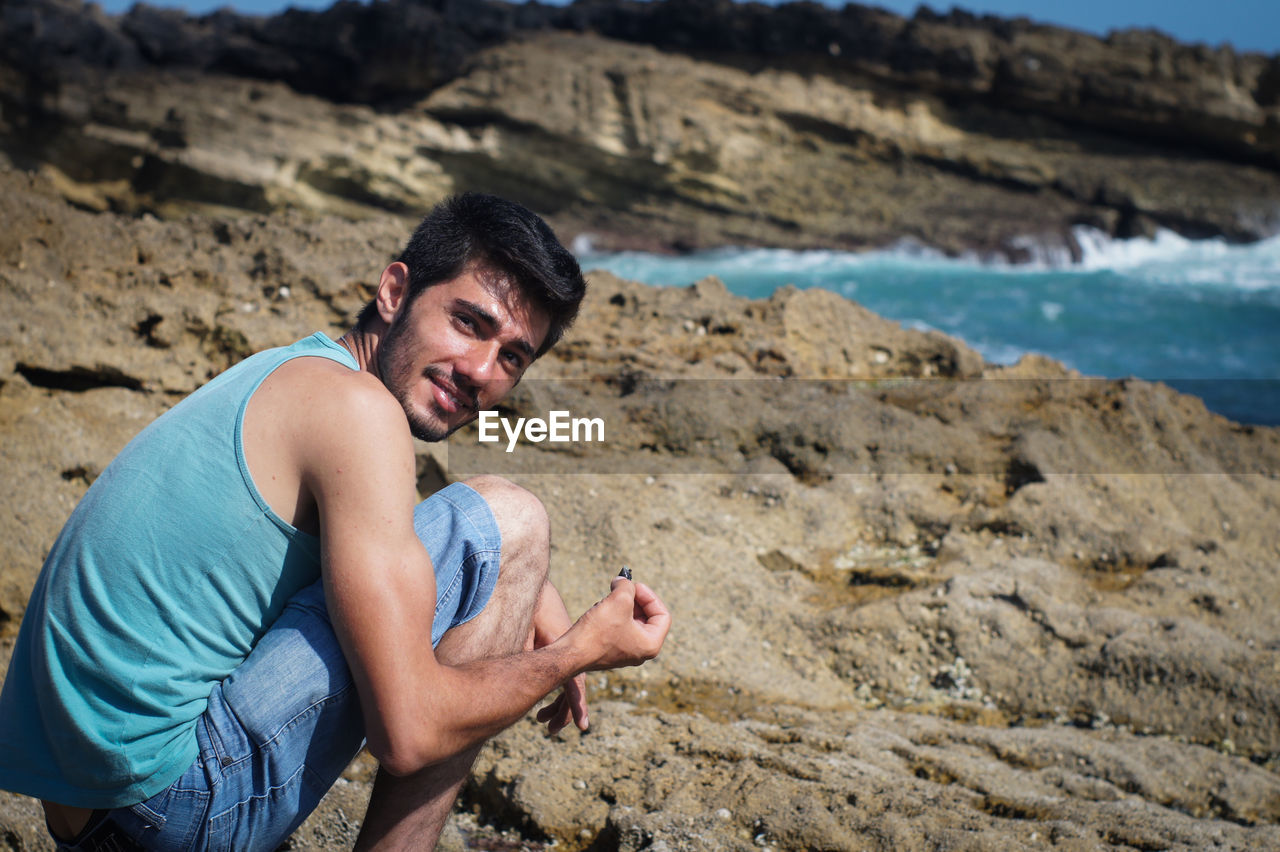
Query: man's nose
(477, 364)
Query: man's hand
(625, 629)
(571, 703)
(550, 622)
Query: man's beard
(395, 369)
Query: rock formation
(919, 601)
(667, 125)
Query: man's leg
(282, 727)
(409, 812)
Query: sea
(1202, 316)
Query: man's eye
(465, 321)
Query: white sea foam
(915, 324)
(1165, 259)
(1051, 310)
(999, 353)
(1041, 255)
(1168, 258)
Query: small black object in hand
(625, 572)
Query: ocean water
(1202, 316)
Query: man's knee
(522, 519)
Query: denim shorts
(285, 724)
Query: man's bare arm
(551, 621)
(357, 461)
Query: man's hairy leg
(409, 812)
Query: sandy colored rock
(918, 600)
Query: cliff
(667, 125)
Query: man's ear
(393, 288)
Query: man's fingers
(629, 625)
(649, 603)
(653, 614)
(555, 716)
(575, 693)
(569, 706)
(550, 710)
(646, 596)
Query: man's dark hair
(502, 236)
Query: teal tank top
(163, 579)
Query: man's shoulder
(327, 387)
(316, 368)
(348, 434)
(318, 429)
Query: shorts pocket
(172, 819)
(296, 667)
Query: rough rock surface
(920, 602)
(674, 125)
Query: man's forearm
(464, 705)
(451, 708)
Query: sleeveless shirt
(163, 579)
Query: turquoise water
(1202, 316)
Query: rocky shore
(921, 601)
(666, 125)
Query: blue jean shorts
(285, 724)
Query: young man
(248, 592)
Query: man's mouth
(447, 396)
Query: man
(183, 680)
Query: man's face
(457, 349)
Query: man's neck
(364, 346)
